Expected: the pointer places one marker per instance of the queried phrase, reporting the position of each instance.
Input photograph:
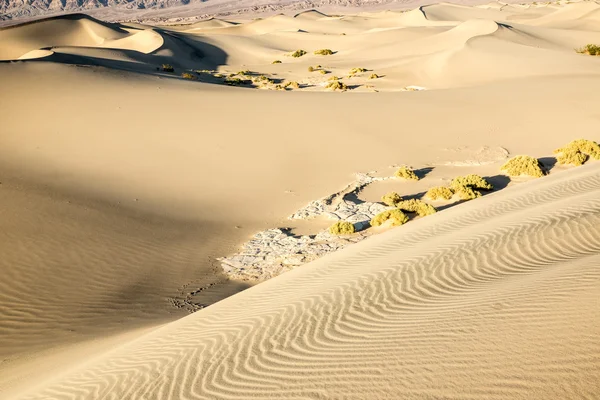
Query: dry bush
(440, 192)
(292, 84)
(298, 53)
(391, 199)
(465, 186)
(357, 70)
(523, 165)
(311, 69)
(373, 76)
(276, 62)
(396, 216)
(324, 52)
(323, 72)
(334, 78)
(417, 206)
(187, 75)
(342, 228)
(336, 85)
(577, 152)
(244, 72)
(406, 173)
(168, 68)
(590, 49)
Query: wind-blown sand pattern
(409, 313)
(123, 185)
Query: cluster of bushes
(439, 192)
(405, 172)
(578, 152)
(590, 49)
(396, 216)
(324, 52)
(523, 165)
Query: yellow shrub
(523, 165)
(577, 152)
(465, 186)
(324, 52)
(357, 70)
(342, 228)
(396, 216)
(168, 68)
(590, 49)
(406, 173)
(373, 76)
(417, 206)
(440, 192)
(298, 53)
(187, 75)
(276, 62)
(391, 199)
(337, 85)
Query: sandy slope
(494, 299)
(122, 184)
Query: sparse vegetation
(276, 62)
(244, 72)
(396, 216)
(417, 206)
(168, 68)
(336, 85)
(466, 186)
(440, 192)
(334, 78)
(342, 228)
(187, 75)
(358, 70)
(578, 152)
(324, 52)
(373, 76)
(233, 81)
(405, 172)
(391, 199)
(292, 84)
(590, 49)
(311, 69)
(523, 165)
(298, 53)
(323, 72)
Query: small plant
(391, 199)
(187, 75)
(465, 186)
(311, 69)
(334, 78)
(589, 49)
(298, 53)
(276, 62)
(323, 72)
(342, 228)
(523, 165)
(324, 52)
(417, 206)
(168, 68)
(440, 192)
(236, 81)
(396, 216)
(373, 76)
(337, 85)
(358, 70)
(244, 72)
(292, 84)
(577, 152)
(405, 172)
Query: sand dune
(129, 166)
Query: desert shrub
(298, 53)
(465, 186)
(406, 173)
(440, 192)
(337, 85)
(334, 78)
(373, 76)
(342, 228)
(236, 81)
(391, 199)
(523, 165)
(417, 206)
(577, 152)
(590, 49)
(311, 69)
(244, 72)
(292, 84)
(276, 62)
(187, 75)
(323, 72)
(396, 216)
(324, 52)
(357, 70)
(168, 68)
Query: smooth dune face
(123, 183)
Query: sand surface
(123, 183)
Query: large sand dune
(122, 183)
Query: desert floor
(132, 158)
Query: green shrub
(342, 228)
(417, 206)
(523, 165)
(373, 76)
(168, 68)
(396, 216)
(577, 152)
(324, 52)
(187, 75)
(298, 53)
(440, 192)
(276, 62)
(337, 85)
(391, 199)
(406, 173)
(590, 49)
(465, 186)
(358, 70)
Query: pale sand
(121, 186)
